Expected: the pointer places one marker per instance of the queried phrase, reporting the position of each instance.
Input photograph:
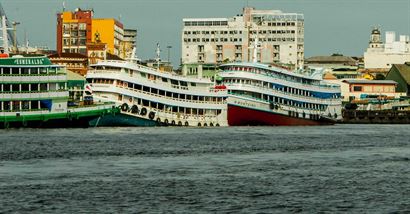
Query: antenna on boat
(158, 55)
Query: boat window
(146, 89)
(182, 96)
(14, 70)
(182, 83)
(145, 103)
(175, 95)
(143, 75)
(161, 92)
(193, 84)
(164, 79)
(174, 82)
(138, 87)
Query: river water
(341, 168)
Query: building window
(357, 88)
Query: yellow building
(110, 32)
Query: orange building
(76, 29)
(110, 32)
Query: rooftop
(331, 59)
(404, 70)
(365, 81)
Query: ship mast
(158, 56)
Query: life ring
(158, 120)
(143, 111)
(186, 123)
(179, 123)
(134, 109)
(124, 107)
(25, 123)
(151, 115)
(166, 121)
(173, 122)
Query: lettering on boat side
(39, 61)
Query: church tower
(375, 39)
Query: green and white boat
(35, 93)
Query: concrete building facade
(381, 55)
(211, 41)
(129, 42)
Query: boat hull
(82, 122)
(243, 116)
(122, 120)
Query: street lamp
(15, 36)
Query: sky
(331, 26)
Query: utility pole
(15, 50)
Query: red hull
(241, 116)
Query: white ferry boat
(149, 97)
(262, 94)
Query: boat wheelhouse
(262, 94)
(149, 97)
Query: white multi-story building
(212, 41)
(381, 55)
